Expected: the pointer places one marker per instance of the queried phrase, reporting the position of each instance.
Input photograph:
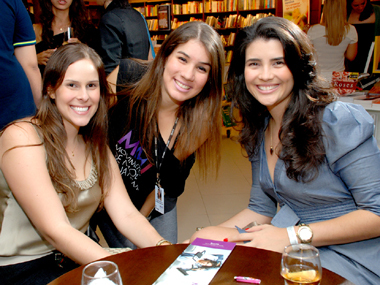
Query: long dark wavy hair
(367, 12)
(301, 130)
(200, 116)
(54, 134)
(77, 15)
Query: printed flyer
(197, 264)
(297, 11)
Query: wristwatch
(305, 234)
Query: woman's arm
(351, 51)
(227, 230)
(26, 173)
(127, 219)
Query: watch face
(305, 233)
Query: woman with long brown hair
(57, 170)
(169, 117)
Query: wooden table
(144, 266)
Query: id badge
(159, 199)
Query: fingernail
(226, 239)
(247, 229)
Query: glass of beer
(300, 264)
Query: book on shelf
(229, 56)
(197, 264)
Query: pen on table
(247, 280)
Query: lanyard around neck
(158, 165)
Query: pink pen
(247, 280)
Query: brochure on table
(197, 264)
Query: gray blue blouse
(348, 181)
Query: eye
(71, 85)
(252, 64)
(92, 85)
(182, 59)
(279, 63)
(203, 69)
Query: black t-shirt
(139, 175)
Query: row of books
(176, 23)
(191, 7)
(196, 7)
(234, 21)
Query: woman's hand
(43, 57)
(73, 40)
(264, 236)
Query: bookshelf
(226, 16)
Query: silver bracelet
(292, 235)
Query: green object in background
(227, 122)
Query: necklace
(271, 140)
(75, 147)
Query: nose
(266, 73)
(83, 94)
(188, 73)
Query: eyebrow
(76, 81)
(258, 59)
(185, 54)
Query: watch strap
(292, 235)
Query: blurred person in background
(56, 16)
(123, 34)
(334, 39)
(365, 17)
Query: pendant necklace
(75, 146)
(271, 140)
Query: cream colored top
(20, 241)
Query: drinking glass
(68, 34)
(101, 273)
(300, 264)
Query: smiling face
(267, 76)
(186, 72)
(358, 5)
(77, 98)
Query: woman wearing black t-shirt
(166, 119)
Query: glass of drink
(68, 34)
(300, 264)
(101, 273)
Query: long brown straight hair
(200, 116)
(335, 20)
(54, 134)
